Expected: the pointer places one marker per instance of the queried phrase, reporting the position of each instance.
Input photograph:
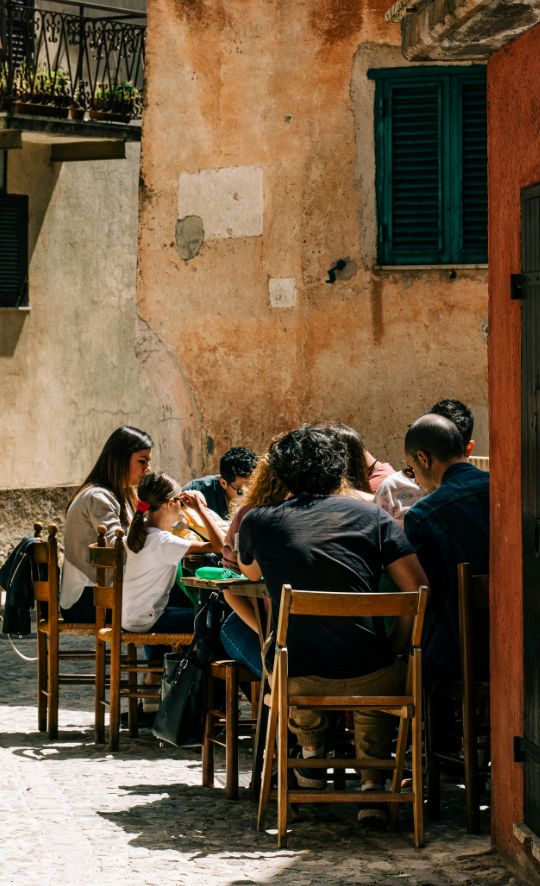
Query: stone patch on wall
(282, 292)
(21, 507)
(189, 236)
(228, 202)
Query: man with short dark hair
(462, 417)
(397, 493)
(320, 539)
(235, 469)
(447, 527)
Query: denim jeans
(242, 643)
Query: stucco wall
(267, 106)
(513, 78)
(70, 374)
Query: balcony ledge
(50, 130)
(468, 30)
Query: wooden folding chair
(109, 563)
(50, 628)
(407, 707)
(223, 723)
(471, 695)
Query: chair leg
(42, 679)
(99, 709)
(470, 762)
(208, 738)
(52, 684)
(114, 696)
(268, 762)
(231, 731)
(132, 690)
(433, 773)
(397, 775)
(418, 802)
(283, 754)
(258, 744)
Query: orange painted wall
(514, 163)
(281, 90)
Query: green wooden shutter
(431, 165)
(13, 250)
(411, 178)
(414, 207)
(472, 245)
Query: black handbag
(180, 718)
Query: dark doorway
(530, 370)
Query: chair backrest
(109, 564)
(44, 554)
(337, 604)
(480, 461)
(473, 597)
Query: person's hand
(192, 498)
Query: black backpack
(17, 578)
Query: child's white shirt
(149, 577)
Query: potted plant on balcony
(79, 102)
(45, 92)
(118, 104)
(4, 95)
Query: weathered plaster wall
(69, 369)
(513, 78)
(245, 338)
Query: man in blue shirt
(447, 527)
(235, 468)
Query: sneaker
(373, 817)
(305, 779)
(313, 779)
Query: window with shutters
(13, 250)
(431, 165)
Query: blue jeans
(242, 643)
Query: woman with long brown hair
(107, 496)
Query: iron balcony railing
(71, 59)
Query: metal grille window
(431, 165)
(13, 251)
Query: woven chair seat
(66, 627)
(148, 639)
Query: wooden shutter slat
(415, 184)
(474, 171)
(13, 250)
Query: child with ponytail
(150, 601)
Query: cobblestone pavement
(76, 815)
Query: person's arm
(408, 575)
(249, 528)
(103, 509)
(251, 570)
(197, 501)
(243, 608)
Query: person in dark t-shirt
(323, 540)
